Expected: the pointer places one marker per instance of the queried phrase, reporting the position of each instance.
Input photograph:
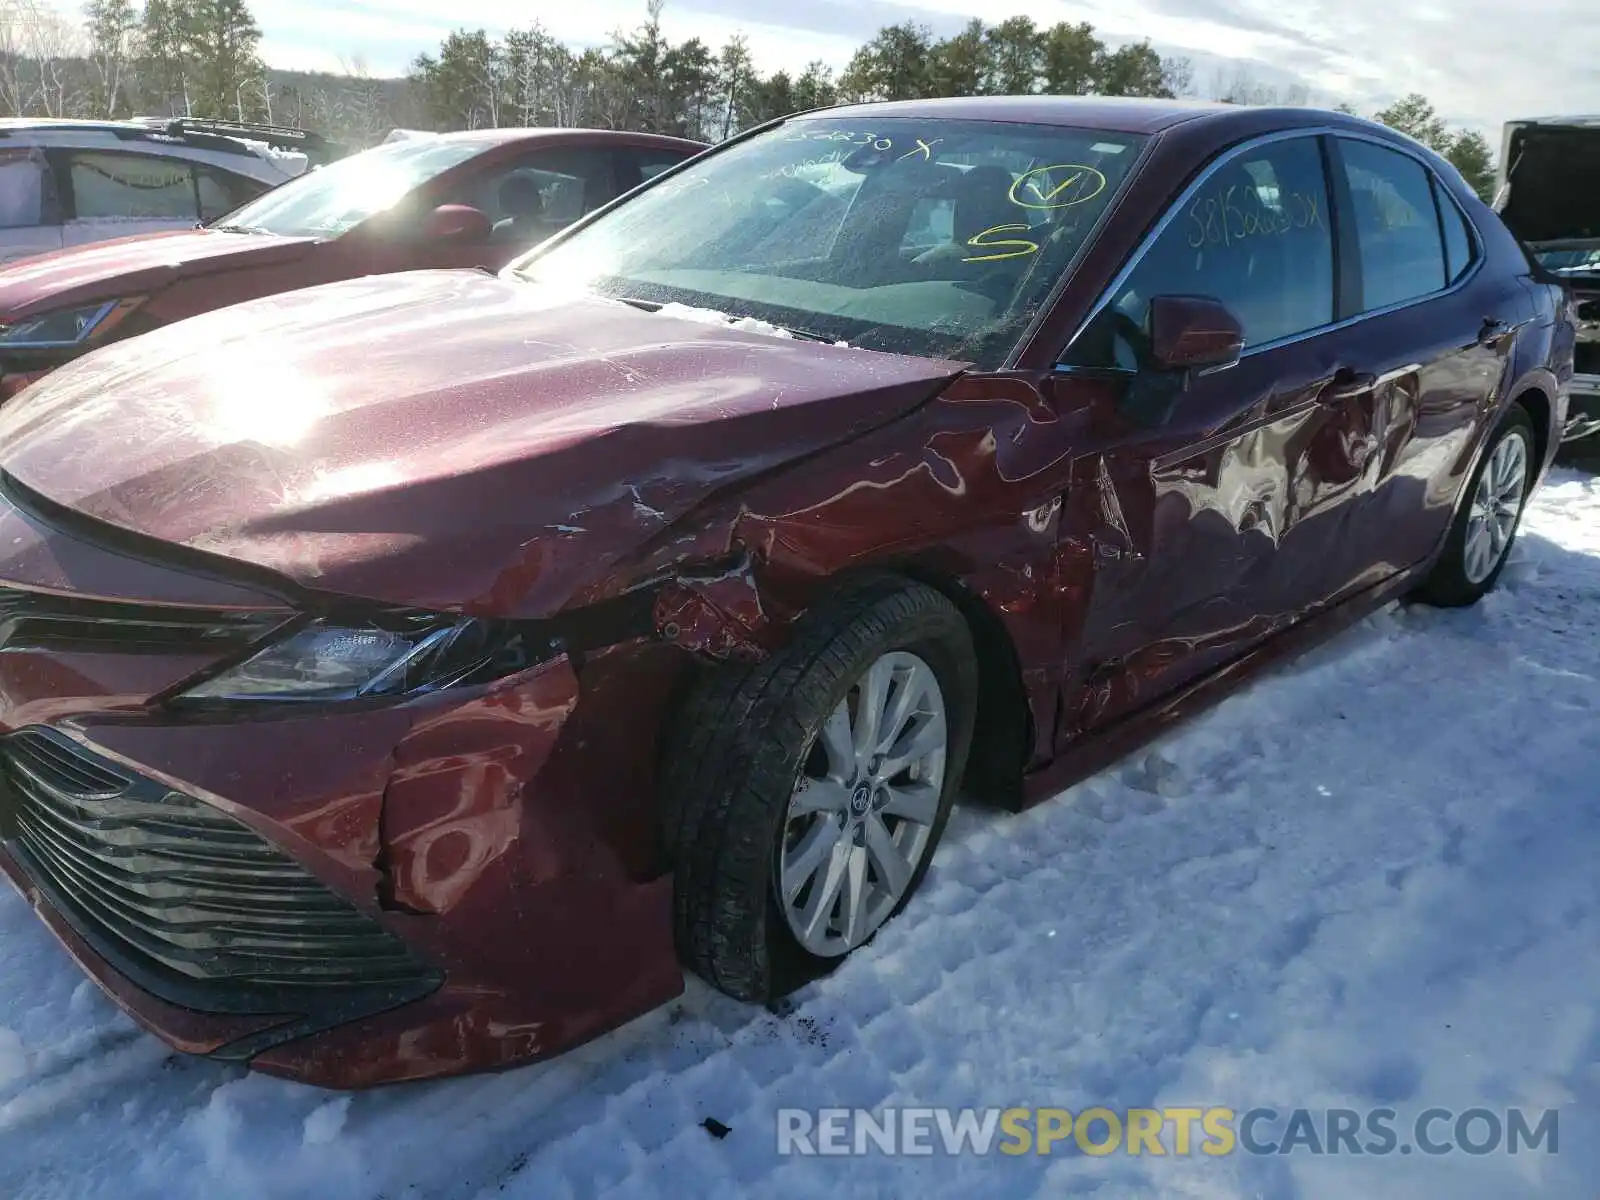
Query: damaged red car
(418, 673)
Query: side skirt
(1090, 755)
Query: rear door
(121, 193)
(1432, 335)
(30, 211)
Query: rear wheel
(1481, 537)
(806, 795)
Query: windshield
(1568, 259)
(926, 237)
(331, 199)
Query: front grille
(45, 621)
(193, 906)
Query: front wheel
(1481, 536)
(805, 796)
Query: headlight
(66, 327)
(400, 652)
(326, 661)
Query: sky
(1478, 61)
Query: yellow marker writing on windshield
(923, 148)
(1079, 184)
(1018, 247)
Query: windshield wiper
(804, 335)
(808, 335)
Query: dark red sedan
(414, 674)
(476, 199)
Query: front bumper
(347, 896)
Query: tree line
(202, 58)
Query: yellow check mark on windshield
(1049, 197)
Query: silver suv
(66, 183)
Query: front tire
(803, 798)
(1481, 537)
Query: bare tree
(1242, 87)
(14, 17)
(54, 44)
(363, 114)
(113, 32)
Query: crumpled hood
(445, 439)
(132, 266)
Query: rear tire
(780, 786)
(1485, 528)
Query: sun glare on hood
(261, 397)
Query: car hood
(133, 266)
(444, 439)
(1550, 193)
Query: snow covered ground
(1372, 879)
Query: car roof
(1119, 114)
(1574, 119)
(520, 133)
(238, 151)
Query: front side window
(1255, 235)
(109, 186)
(927, 237)
(538, 194)
(222, 191)
(328, 201)
(1396, 225)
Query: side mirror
(1193, 331)
(456, 223)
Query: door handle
(1347, 385)
(1492, 331)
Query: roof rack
(314, 146)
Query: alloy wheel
(860, 819)
(1496, 508)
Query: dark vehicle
(433, 201)
(1549, 195)
(412, 680)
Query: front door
(1187, 502)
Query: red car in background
(473, 199)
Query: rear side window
(652, 162)
(26, 189)
(1458, 252)
(130, 187)
(220, 192)
(634, 167)
(1396, 224)
(1256, 236)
